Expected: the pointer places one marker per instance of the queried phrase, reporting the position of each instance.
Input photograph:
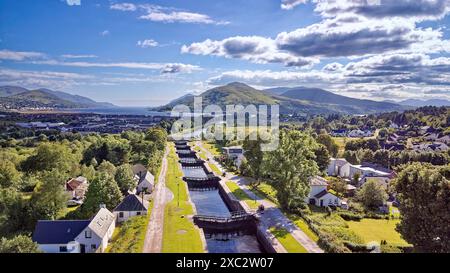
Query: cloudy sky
(145, 53)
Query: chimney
(102, 206)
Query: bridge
(238, 220)
(182, 147)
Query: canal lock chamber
(227, 228)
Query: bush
(331, 244)
(373, 215)
(350, 216)
(344, 234)
(357, 247)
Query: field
(180, 234)
(371, 230)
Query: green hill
(291, 100)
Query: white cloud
(19, 55)
(147, 43)
(104, 33)
(124, 7)
(162, 14)
(163, 67)
(252, 48)
(73, 2)
(290, 4)
(73, 56)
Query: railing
(235, 217)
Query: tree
(328, 142)
(125, 178)
(381, 157)
(322, 157)
(254, 158)
(103, 190)
(18, 244)
(9, 176)
(50, 156)
(291, 166)
(107, 167)
(338, 185)
(372, 195)
(12, 211)
(49, 197)
(423, 191)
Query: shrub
(350, 216)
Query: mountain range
(14, 97)
(421, 103)
(297, 100)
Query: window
(121, 214)
(93, 247)
(138, 213)
(63, 249)
(88, 234)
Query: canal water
(211, 203)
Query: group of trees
(288, 168)
(32, 180)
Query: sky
(146, 53)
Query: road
(161, 196)
(272, 215)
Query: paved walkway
(272, 215)
(161, 196)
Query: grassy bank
(180, 234)
(241, 195)
(287, 240)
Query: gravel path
(162, 195)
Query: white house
(338, 167)
(366, 171)
(236, 153)
(319, 195)
(75, 236)
(131, 206)
(145, 179)
(360, 133)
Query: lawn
(340, 141)
(180, 235)
(287, 240)
(266, 191)
(241, 195)
(371, 230)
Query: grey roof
(58, 232)
(132, 203)
(321, 194)
(318, 181)
(101, 222)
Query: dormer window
(88, 234)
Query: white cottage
(338, 167)
(319, 195)
(75, 236)
(145, 179)
(131, 206)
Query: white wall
(51, 248)
(126, 215)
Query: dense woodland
(33, 172)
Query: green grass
(265, 191)
(371, 230)
(303, 226)
(287, 240)
(241, 195)
(129, 237)
(180, 234)
(215, 169)
(212, 148)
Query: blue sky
(145, 53)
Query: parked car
(74, 202)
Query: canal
(209, 202)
